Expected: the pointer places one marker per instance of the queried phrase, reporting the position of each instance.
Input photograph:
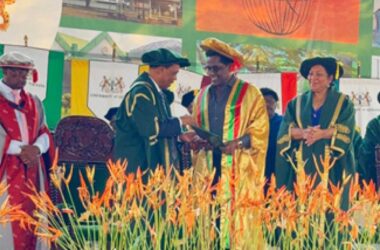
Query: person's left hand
(314, 134)
(30, 155)
(230, 147)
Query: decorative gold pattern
(337, 110)
(298, 112)
(332, 125)
(343, 129)
(285, 138)
(343, 138)
(282, 152)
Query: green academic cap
(164, 57)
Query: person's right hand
(188, 136)
(188, 120)
(198, 143)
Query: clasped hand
(313, 134)
(30, 155)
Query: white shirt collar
(156, 85)
(7, 91)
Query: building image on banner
(97, 84)
(25, 22)
(110, 45)
(167, 12)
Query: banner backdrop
(108, 84)
(262, 80)
(97, 86)
(32, 22)
(363, 93)
(297, 19)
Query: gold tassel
(337, 69)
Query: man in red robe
(24, 138)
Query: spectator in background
(357, 143)
(271, 100)
(111, 117)
(176, 109)
(367, 149)
(188, 100)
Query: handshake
(199, 138)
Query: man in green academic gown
(146, 132)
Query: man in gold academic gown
(236, 111)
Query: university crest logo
(361, 99)
(113, 85)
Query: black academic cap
(164, 57)
(332, 66)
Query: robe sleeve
(344, 129)
(4, 143)
(285, 148)
(258, 128)
(43, 139)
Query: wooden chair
(82, 141)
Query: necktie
(21, 118)
(171, 140)
(164, 104)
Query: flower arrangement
(8, 213)
(172, 211)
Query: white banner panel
(363, 93)
(375, 72)
(38, 20)
(41, 62)
(186, 81)
(108, 83)
(263, 80)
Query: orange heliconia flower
(84, 194)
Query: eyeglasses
(214, 68)
(18, 70)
